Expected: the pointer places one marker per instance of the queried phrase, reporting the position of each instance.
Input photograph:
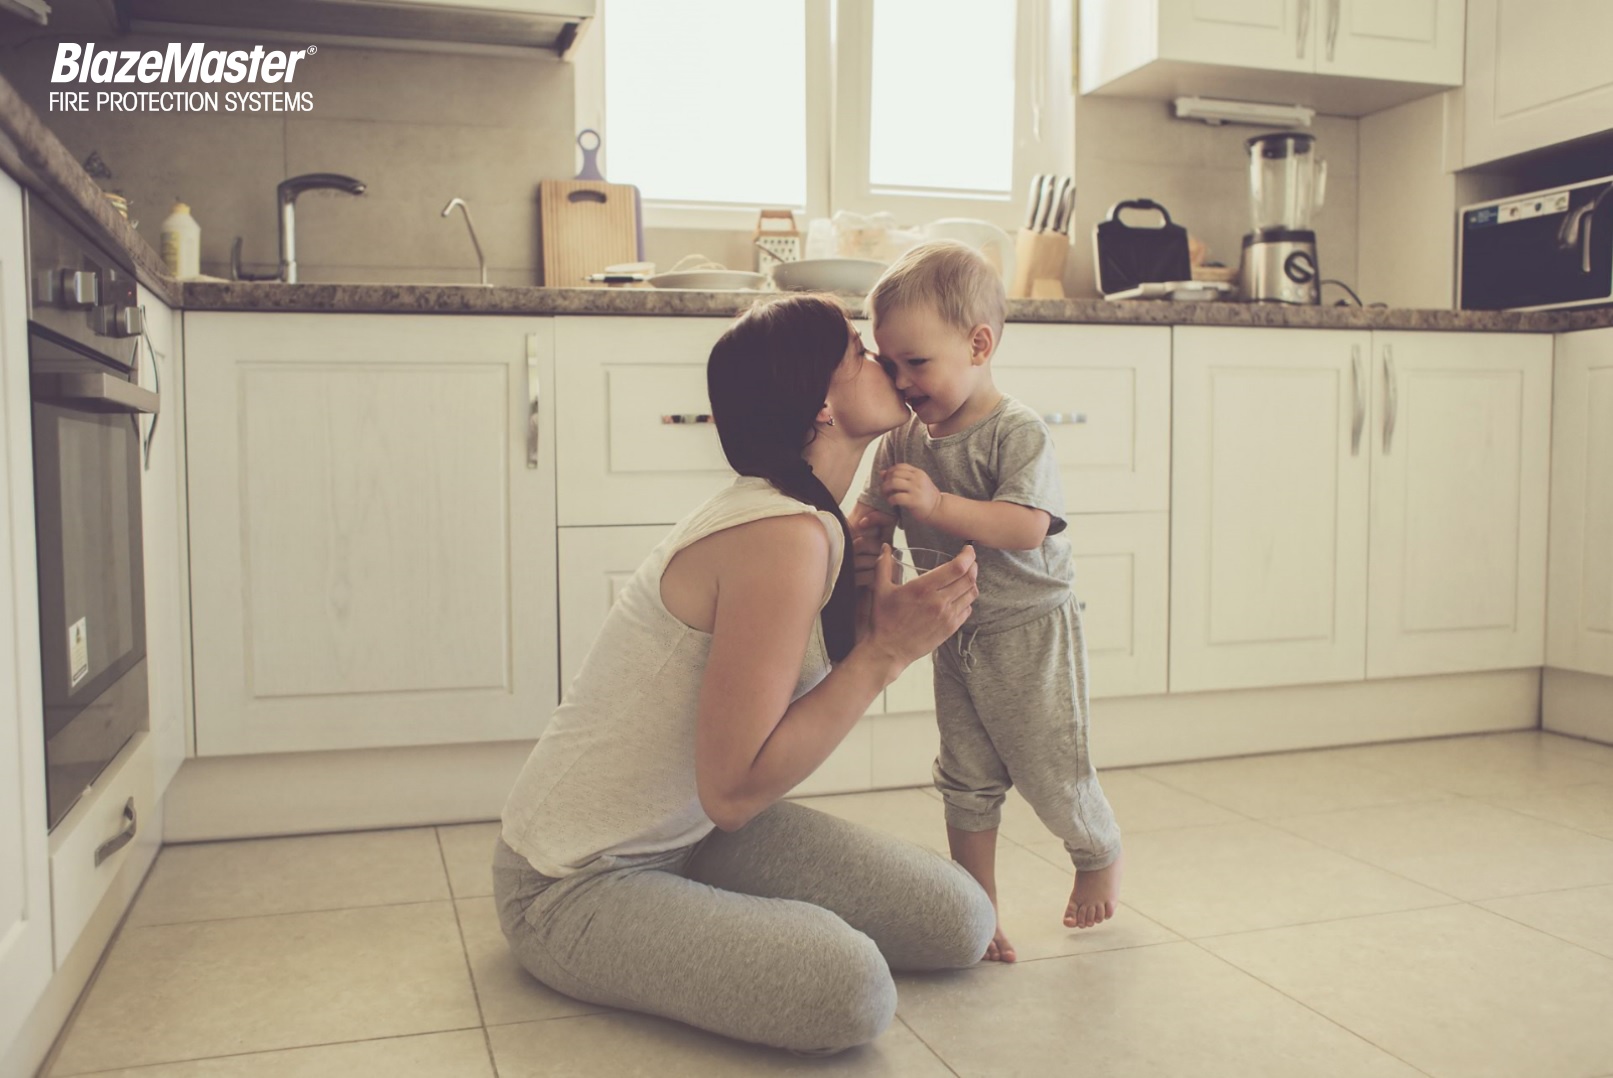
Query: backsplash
(419, 128)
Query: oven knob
(78, 288)
(117, 320)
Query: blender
(1286, 186)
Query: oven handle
(96, 392)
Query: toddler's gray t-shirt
(1005, 457)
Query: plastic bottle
(181, 243)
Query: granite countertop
(36, 157)
(476, 299)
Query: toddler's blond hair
(953, 278)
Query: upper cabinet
(1537, 75)
(1342, 57)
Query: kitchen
(384, 510)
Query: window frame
(837, 37)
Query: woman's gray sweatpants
(1012, 707)
(782, 933)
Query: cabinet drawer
(619, 383)
(122, 801)
(1105, 393)
(1122, 576)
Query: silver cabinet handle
(131, 824)
(1059, 419)
(1393, 399)
(534, 399)
(95, 393)
(1357, 378)
(1335, 11)
(1304, 28)
(686, 417)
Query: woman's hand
(913, 619)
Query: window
(925, 108)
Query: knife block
(1039, 259)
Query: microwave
(1543, 250)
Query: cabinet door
(372, 530)
(1460, 468)
(1105, 393)
(1122, 576)
(1275, 35)
(1268, 507)
(1399, 40)
(162, 493)
(1537, 74)
(624, 384)
(1580, 635)
(25, 929)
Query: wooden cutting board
(585, 226)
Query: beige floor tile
(1583, 915)
(214, 880)
(1032, 890)
(1466, 848)
(1458, 992)
(907, 814)
(1578, 746)
(1483, 765)
(467, 850)
(463, 1054)
(506, 992)
(1291, 784)
(1237, 877)
(620, 1044)
(253, 984)
(1141, 1013)
(1142, 803)
(1587, 808)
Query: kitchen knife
(1066, 209)
(1044, 206)
(1055, 222)
(1036, 201)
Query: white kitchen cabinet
(1537, 75)
(1105, 394)
(25, 905)
(372, 530)
(1343, 57)
(1460, 469)
(636, 441)
(1269, 507)
(1580, 634)
(165, 542)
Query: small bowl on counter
(853, 276)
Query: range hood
(550, 26)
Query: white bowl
(710, 280)
(851, 275)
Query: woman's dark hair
(768, 377)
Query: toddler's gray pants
(1012, 708)
(782, 933)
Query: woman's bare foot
(1096, 894)
(999, 949)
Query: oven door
(92, 619)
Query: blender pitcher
(1287, 183)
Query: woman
(646, 858)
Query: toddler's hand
(869, 529)
(912, 489)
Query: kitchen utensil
(1287, 183)
(854, 276)
(1063, 201)
(992, 242)
(1044, 205)
(710, 280)
(586, 224)
(777, 238)
(1127, 256)
(1036, 200)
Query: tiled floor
(1435, 908)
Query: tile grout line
(1543, 931)
(459, 927)
(1324, 1017)
(450, 898)
(928, 1046)
(266, 1051)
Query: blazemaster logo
(178, 64)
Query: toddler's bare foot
(1096, 894)
(999, 950)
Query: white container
(181, 243)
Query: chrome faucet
(481, 262)
(286, 194)
(287, 191)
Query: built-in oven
(90, 414)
